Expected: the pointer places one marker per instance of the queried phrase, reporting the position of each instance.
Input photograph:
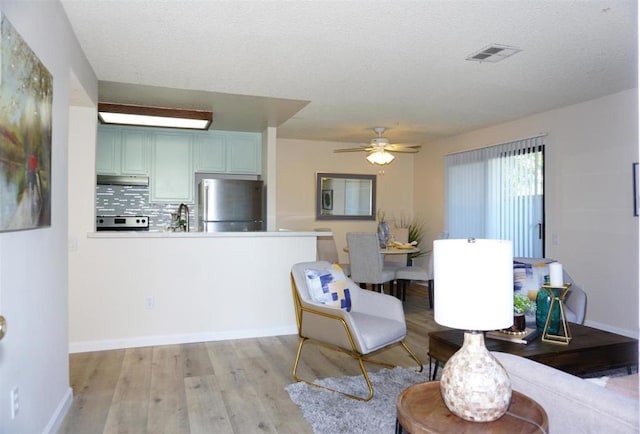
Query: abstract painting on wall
(26, 96)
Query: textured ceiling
(331, 70)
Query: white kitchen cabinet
(209, 152)
(171, 177)
(122, 151)
(243, 153)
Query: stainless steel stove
(122, 223)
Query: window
(498, 193)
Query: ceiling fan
(380, 150)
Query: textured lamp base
(474, 384)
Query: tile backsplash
(114, 200)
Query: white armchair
(375, 321)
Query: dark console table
(590, 350)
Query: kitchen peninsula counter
(169, 234)
(134, 289)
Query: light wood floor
(215, 387)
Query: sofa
(573, 404)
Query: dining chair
(367, 324)
(366, 262)
(326, 250)
(420, 272)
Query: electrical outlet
(72, 244)
(15, 402)
(149, 302)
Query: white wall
(298, 162)
(33, 264)
(204, 287)
(269, 169)
(589, 151)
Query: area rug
(332, 413)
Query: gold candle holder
(557, 299)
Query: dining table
(391, 250)
(399, 250)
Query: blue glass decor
(543, 303)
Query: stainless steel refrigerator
(230, 205)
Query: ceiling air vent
(493, 53)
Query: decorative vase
(474, 384)
(543, 303)
(383, 234)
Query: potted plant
(522, 306)
(415, 229)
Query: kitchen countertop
(167, 234)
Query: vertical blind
(497, 193)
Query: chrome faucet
(183, 208)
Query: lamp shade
(473, 283)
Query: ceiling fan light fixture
(125, 114)
(380, 157)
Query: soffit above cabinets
(231, 112)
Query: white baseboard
(609, 328)
(147, 341)
(60, 413)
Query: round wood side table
(420, 409)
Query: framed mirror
(341, 196)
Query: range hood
(142, 181)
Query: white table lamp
(473, 291)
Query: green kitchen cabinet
(227, 152)
(108, 151)
(135, 150)
(171, 178)
(243, 153)
(209, 150)
(122, 151)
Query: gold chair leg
(413, 355)
(362, 368)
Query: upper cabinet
(170, 156)
(227, 152)
(135, 152)
(171, 171)
(209, 152)
(243, 153)
(108, 149)
(122, 151)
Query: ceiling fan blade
(395, 147)
(403, 151)
(365, 149)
